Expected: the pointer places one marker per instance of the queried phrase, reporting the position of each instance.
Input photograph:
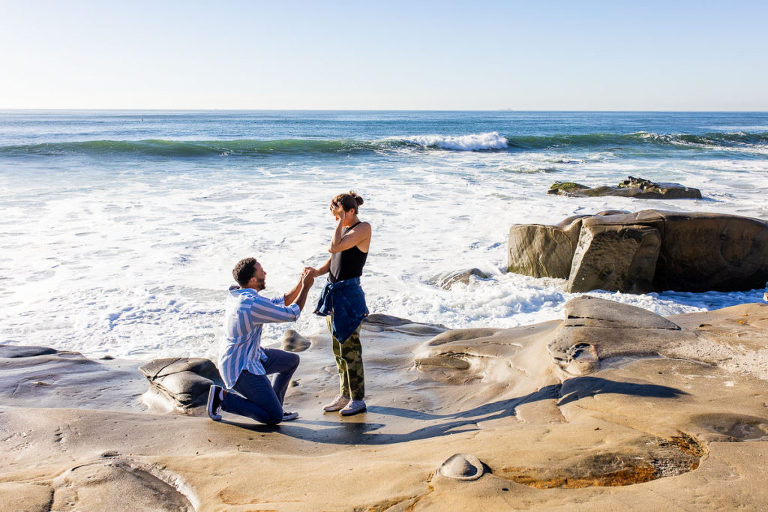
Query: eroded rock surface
(181, 382)
(295, 342)
(645, 251)
(643, 459)
(597, 329)
(379, 322)
(587, 351)
(35, 376)
(587, 406)
(462, 466)
(631, 187)
(448, 279)
(112, 485)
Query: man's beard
(261, 284)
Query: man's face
(259, 280)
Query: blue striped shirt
(246, 314)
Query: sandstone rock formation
(182, 383)
(295, 342)
(462, 466)
(586, 406)
(632, 187)
(645, 251)
(598, 342)
(92, 486)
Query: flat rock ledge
(179, 384)
(650, 250)
(639, 188)
(596, 335)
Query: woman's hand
(312, 271)
(338, 211)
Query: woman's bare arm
(355, 236)
(324, 268)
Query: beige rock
(676, 405)
(632, 187)
(697, 252)
(112, 485)
(540, 251)
(448, 279)
(462, 466)
(295, 342)
(182, 382)
(615, 258)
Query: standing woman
(343, 302)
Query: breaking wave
(490, 141)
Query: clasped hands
(308, 276)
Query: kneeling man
(243, 364)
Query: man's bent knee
(274, 419)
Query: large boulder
(645, 251)
(546, 251)
(615, 258)
(182, 383)
(632, 187)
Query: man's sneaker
(353, 407)
(290, 416)
(215, 396)
(338, 404)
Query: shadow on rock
(348, 432)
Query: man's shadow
(364, 433)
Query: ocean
(119, 229)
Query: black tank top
(347, 264)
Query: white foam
(137, 263)
(471, 142)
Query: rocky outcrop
(295, 342)
(462, 466)
(597, 329)
(16, 351)
(448, 279)
(631, 187)
(645, 251)
(107, 483)
(182, 383)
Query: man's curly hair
(244, 271)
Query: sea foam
(127, 249)
(471, 142)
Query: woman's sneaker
(338, 404)
(353, 407)
(215, 396)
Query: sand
(643, 414)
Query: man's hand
(312, 270)
(298, 295)
(308, 277)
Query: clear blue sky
(558, 55)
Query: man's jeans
(257, 398)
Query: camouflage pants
(349, 361)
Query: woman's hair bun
(358, 199)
